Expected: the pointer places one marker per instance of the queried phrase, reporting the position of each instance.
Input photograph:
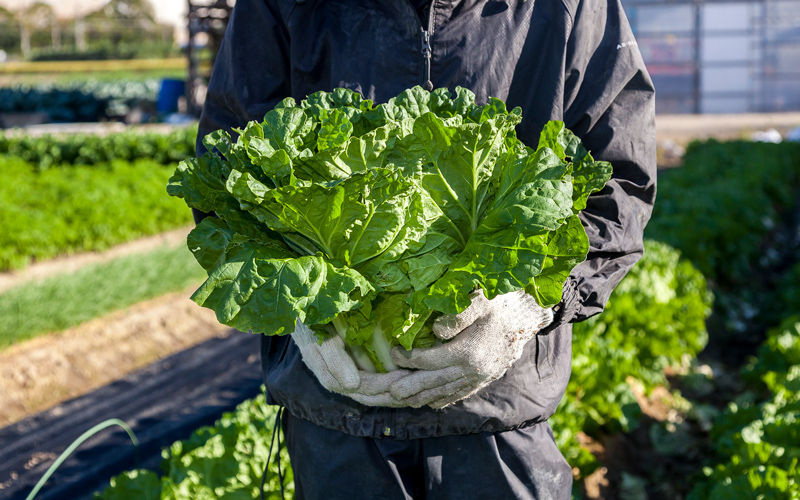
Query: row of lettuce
(757, 438)
(67, 194)
(50, 151)
(727, 211)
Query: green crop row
(758, 443)
(718, 207)
(79, 101)
(85, 149)
(654, 318)
(58, 211)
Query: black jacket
(570, 60)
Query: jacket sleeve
(251, 72)
(609, 102)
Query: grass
(66, 300)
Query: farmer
(471, 420)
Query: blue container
(171, 90)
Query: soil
(46, 370)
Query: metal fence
(720, 56)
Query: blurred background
(688, 386)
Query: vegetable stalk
(381, 348)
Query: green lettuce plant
(373, 219)
(758, 443)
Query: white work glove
(488, 337)
(337, 372)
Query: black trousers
(522, 464)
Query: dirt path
(683, 128)
(70, 263)
(41, 372)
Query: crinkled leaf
(334, 130)
(589, 175)
(208, 242)
(375, 215)
(357, 154)
(266, 289)
(290, 129)
(458, 168)
(566, 248)
(510, 246)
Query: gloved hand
(488, 337)
(337, 372)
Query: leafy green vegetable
(57, 151)
(375, 218)
(225, 460)
(654, 319)
(759, 444)
(77, 101)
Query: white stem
(383, 349)
(358, 354)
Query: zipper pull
(426, 44)
(426, 53)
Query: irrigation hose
(83, 437)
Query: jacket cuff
(567, 309)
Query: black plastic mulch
(163, 402)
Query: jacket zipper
(426, 54)
(425, 38)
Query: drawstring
(275, 428)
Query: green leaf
(589, 176)
(370, 216)
(208, 242)
(200, 182)
(459, 166)
(566, 248)
(357, 154)
(334, 130)
(139, 484)
(289, 129)
(265, 289)
(511, 245)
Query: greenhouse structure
(720, 56)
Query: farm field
(707, 319)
